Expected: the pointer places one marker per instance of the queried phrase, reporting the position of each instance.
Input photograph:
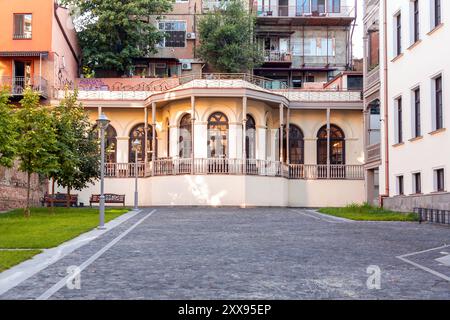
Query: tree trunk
(27, 207)
(68, 198)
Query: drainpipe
(386, 109)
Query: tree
(113, 33)
(77, 153)
(226, 39)
(36, 141)
(8, 133)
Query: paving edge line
(21, 272)
(64, 281)
(330, 216)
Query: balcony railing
(17, 85)
(297, 11)
(265, 168)
(277, 56)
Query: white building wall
(417, 66)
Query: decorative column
(328, 141)
(281, 132)
(153, 137)
(244, 132)
(288, 151)
(145, 135)
(193, 133)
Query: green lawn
(366, 212)
(11, 258)
(46, 230)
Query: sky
(358, 35)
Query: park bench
(109, 198)
(59, 200)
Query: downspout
(386, 109)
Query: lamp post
(136, 144)
(102, 123)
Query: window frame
(439, 180)
(17, 36)
(417, 182)
(400, 185)
(162, 44)
(438, 103)
(417, 123)
(398, 34)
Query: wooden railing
(212, 166)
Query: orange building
(38, 46)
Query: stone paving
(261, 253)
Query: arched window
(250, 138)
(110, 143)
(296, 145)
(217, 135)
(138, 132)
(185, 137)
(337, 145)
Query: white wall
(417, 66)
(220, 190)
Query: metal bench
(109, 198)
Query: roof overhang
(23, 53)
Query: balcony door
(21, 76)
(283, 8)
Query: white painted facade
(416, 65)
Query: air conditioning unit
(186, 66)
(190, 35)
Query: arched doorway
(110, 143)
(138, 132)
(250, 138)
(185, 137)
(337, 145)
(217, 135)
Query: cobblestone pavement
(263, 253)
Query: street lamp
(136, 144)
(102, 123)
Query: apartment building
(414, 169)
(305, 41)
(38, 48)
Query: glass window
(138, 132)
(438, 103)
(22, 26)
(374, 123)
(437, 13)
(399, 120)
(318, 6)
(398, 34)
(440, 180)
(110, 143)
(417, 116)
(303, 6)
(217, 135)
(174, 34)
(334, 6)
(417, 178)
(400, 186)
(185, 137)
(296, 145)
(250, 138)
(337, 145)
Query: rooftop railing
(95, 90)
(275, 10)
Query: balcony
(373, 153)
(17, 85)
(321, 16)
(212, 166)
(271, 56)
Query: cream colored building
(413, 91)
(217, 142)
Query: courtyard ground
(261, 253)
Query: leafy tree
(113, 33)
(77, 153)
(8, 134)
(226, 39)
(36, 141)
